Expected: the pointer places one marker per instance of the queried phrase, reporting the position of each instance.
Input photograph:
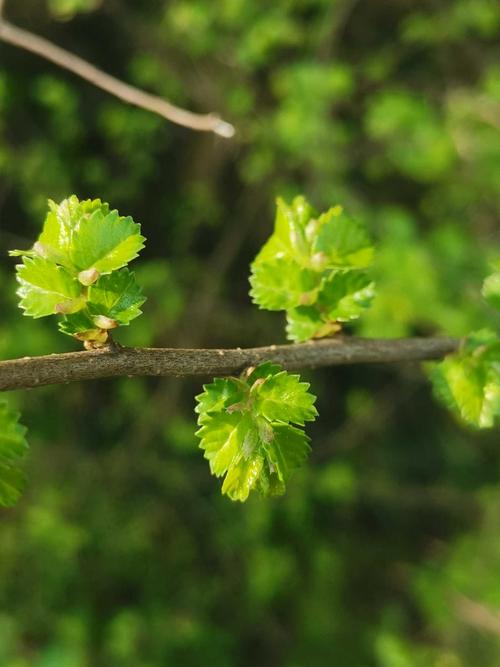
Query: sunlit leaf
(283, 397)
(245, 431)
(46, 289)
(343, 242)
(116, 296)
(469, 382)
(283, 284)
(105, 242)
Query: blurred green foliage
(385, 550)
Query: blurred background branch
(130, 94)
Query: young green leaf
(283, 397)
(86, 236)
(81, 326)
(342, 241)
(116, 296)
(13, 447)
(469, 381)
(283, 284)
(306, 322)
(289, 239)
(77, 269)
(341, 298)
(55, 243)
(220, 394)
(105, 242)
(287, 450)
(310, 268)
(344, 295)
(46, 289)
(246, 432)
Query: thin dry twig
(30, 372)
(23, 39)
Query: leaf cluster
(77, 269)
(250, 429)
(313, 267)
(469, 382)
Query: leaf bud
(89, 276)
(318, 261)
(93, 335)
(104, 322)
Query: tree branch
(31, 372)
(26, 40)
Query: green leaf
(219, 394)
(469, 382)
(289, 237)
(222, 436)
(116, 296)
(345, 295)
(342, 298)
(282, 284)
(245, 431)
(243, 477)
(306, 322)
(261, 371)
(83, 326)
(46, 289)
(105, 242)
(283, 397)
(491, 290)
(310, 268)
(287, 450)
(77, 269)
(13, 447)
(56, 240)
(342, 242)
(86, 235)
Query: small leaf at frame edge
(13, 447)
(469, 384)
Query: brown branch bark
(31, 372)
(30, 42)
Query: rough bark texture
(31, 372)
